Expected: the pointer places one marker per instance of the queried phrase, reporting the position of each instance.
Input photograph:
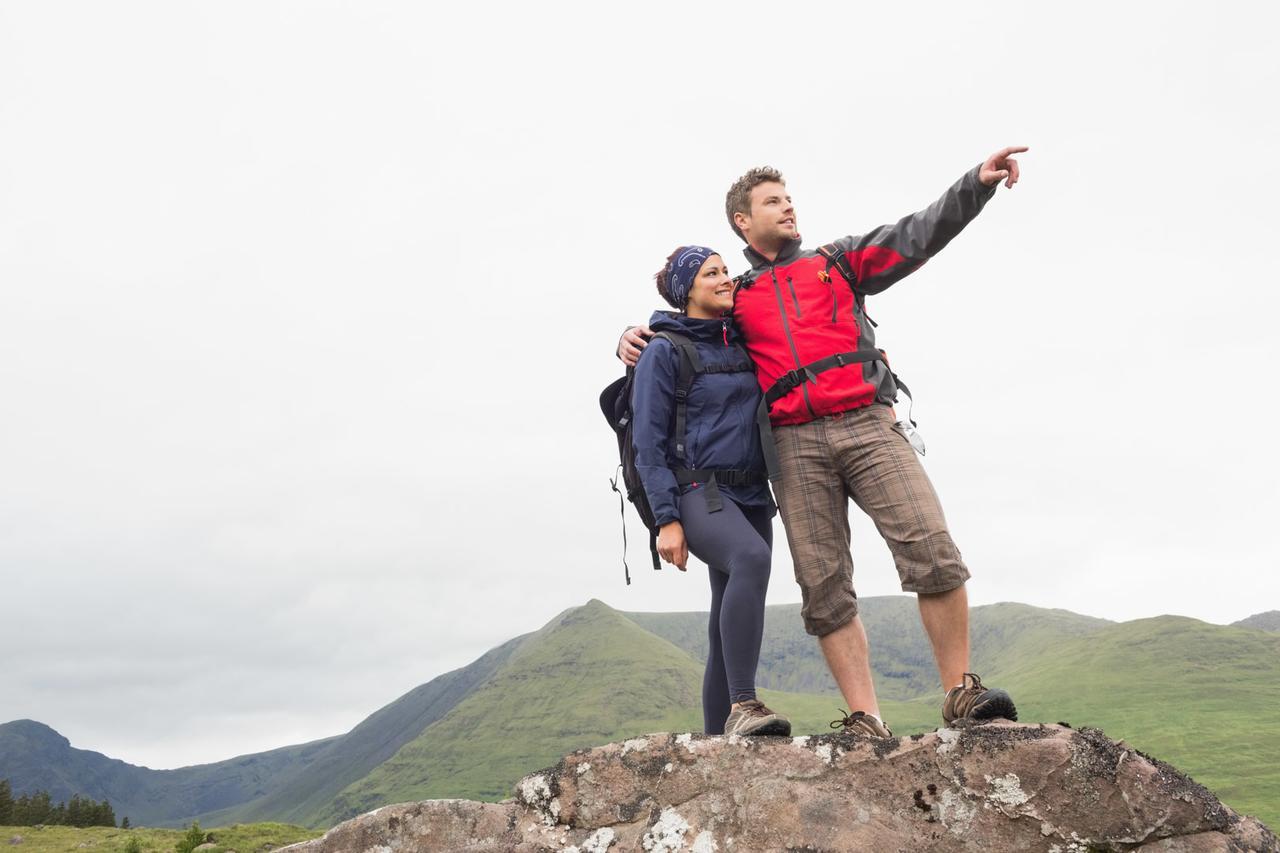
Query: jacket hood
(709, 331)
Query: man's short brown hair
(738, 199)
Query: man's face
(773, 218)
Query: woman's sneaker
(971, 701)
(861, 723)
(753, 718)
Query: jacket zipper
(794, 300)
(786, 330)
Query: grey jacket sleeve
(881, 257)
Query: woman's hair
(662, 276)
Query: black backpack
(615, 402)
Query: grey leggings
(736, 544)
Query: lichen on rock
(998, 786)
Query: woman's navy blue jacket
(721, 431)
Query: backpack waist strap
(722, 476)
(714, 479)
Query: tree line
(39, 808)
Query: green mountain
(590, 676)
(1203, 697)
(35, 757)
(1269, 621)
(305, 794)
(289, 783)
(900, 654)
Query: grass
(242, 838)
(1205, 698)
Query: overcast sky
(304, 309)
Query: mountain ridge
(566, 686)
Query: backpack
(615, 403)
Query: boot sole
(992, 704)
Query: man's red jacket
(798, 309)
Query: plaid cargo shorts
(858, 454)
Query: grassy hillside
(590, 677)
(35, 757)
(304, 796)
(242, 838)
(1205, 698)
(1182, 690)
(900, 654)
(292, 784)
(790, 660)
(593, 676)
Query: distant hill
(590, 676)
(288, 782)
(1206, 697)
(304, 795)
(900, 654)
(35, 757)
(1269, 621)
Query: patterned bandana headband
(684, 269)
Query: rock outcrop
(994, 787)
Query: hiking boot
(753, 718)
(861, 723)
(972, 701)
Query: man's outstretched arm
(883, 256)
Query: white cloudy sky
(304, 308)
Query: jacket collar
(759, 261)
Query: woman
(707, 487)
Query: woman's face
(712, 291)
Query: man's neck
(768, 253)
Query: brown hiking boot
(861, 723)
(753, 718)
(972, 701)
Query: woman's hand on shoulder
(671, 545)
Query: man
(829, 391)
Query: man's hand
(671, 545)
(633, 340)
(1001, 167)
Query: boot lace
(970, 689)
(847, 719)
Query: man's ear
(741, 220)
